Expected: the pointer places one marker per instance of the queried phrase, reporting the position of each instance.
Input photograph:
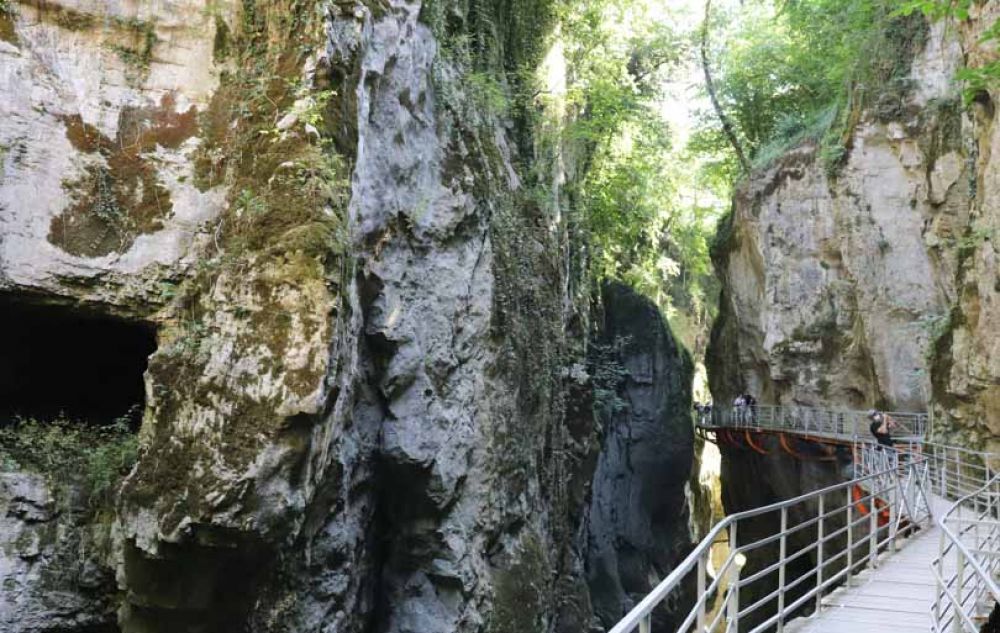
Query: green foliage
(648, 215)
(788, 71)
(95, 456)
(143, 35)
(936, 327)
(487, 93)
(791, 131)
(938, 9)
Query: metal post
(782, 553)
(850, 537)
(895, 507)
(958, 473)
(645, 624)
(872, 531)
(977, 540)
(956, 625)
(702, 598)
(939, 594)
(938, 468)
(819, 554)
(733, 605)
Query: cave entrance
(66, 360)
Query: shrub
(71, 452)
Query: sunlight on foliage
(647, 206)
(795, 70)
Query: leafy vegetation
(96, 457)
(649, 215)
(796, 70)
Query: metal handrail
(957, 472)
(968, 593)
(838, 423)
(876, 509)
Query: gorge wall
(371, 402)
(864, 274)
(866, 279)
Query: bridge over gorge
(839, 425)
(910, 542)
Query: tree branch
(727, 125)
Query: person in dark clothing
(751, 406)
(881, 427)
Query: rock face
(52, 560)
(368, 408)
(99, 111)
(966, 354)
(837, 280)
(636, 533)
(876, 285)
(869, 281)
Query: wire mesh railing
(841, 423)
(783, 558)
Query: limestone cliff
(842, 277)
(368, 408)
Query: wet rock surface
(637, 524)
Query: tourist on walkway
(881, 427)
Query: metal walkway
(843, 425)
(894, 598)
(911, 543)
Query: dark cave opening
(61, 360)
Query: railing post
(645, 624)
(850, 537)
(895, 511)
(782, 553)
(941, 463)
(956, 625)
(872, 530)
(958, 473)
(976, 538)
(821, 534)
(733, 604)
(939, 595)
(702, 598)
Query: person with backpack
(881, 427)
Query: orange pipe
(784, 444)
(752, 445)
(857, 494)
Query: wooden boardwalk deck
(895, 597)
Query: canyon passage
(455, 316)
